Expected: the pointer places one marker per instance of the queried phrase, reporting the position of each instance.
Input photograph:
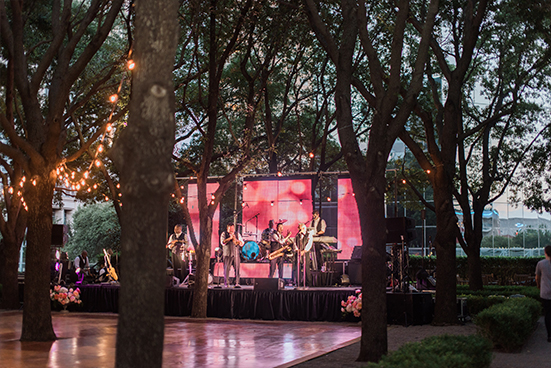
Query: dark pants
(179, 266)
(298, 274)
(547, 313)
(279, 262)
(230, 261)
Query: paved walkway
(88, 340)
(536, 353)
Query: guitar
(110, 270)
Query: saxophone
(279, 252)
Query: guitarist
(231, 251)
(278, 241)
(176, 244)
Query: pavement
(536, 353)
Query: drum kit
(254, 250)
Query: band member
(231, 250)
(277, 242)
(82, 265)
(177, 245)
(303, 244)
(318, 225)
(266, 239)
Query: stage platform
(287, 304)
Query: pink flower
(57, 287)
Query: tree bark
(37, 319)
(143, 155)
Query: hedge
(509, 324)
(503, 268)
(450, 351)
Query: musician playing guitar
(232, 243)
(278, 241)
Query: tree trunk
(200, 289)
(9, 264)
(143, 156)
(372, 221)
(445, 311)
(474, 270)
(37, 321)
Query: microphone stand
(217, 286)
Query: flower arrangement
(65, 296)
(353, 304)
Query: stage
(287, 304)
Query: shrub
(509, 324)
(448, 351)
(477, 303)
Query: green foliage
(502, 268)
(448, 351)
(95, 227)
(508, 290)
(508, 325)
(477, 303)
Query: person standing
(266, 237)
(543, 280)
(277, 242)
(82, 265)
(318, 225)
(231, 250)
(303, 242)
(176, 244)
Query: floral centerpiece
(353, 304)
(64, 296)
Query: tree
(94, 227)
(48, 62)
(143, 156)
(385, 78)
(492, 138)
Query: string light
(328, 199)
(76, 181)
(279, 173)
(311, 154)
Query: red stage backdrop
(194, 213)
(349, 232)
(276, 200)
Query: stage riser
(288, 305)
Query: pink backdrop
(285, 195)
(194, 213)
(349, 233)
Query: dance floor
(88, 340)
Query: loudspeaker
(396, 227)
(58, 234)
(355, 273)
(268, 284)
(357, 253)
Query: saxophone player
(277, 242)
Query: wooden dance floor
(88, 340)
